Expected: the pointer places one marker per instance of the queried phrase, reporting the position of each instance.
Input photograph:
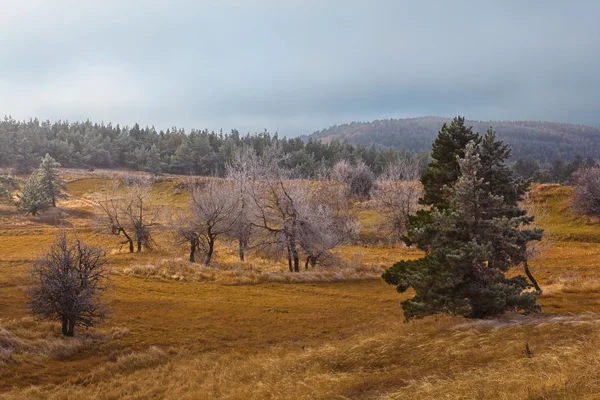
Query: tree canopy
(471, 236)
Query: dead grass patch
(28, 338)
(246, 273)
(430, 359)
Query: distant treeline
(557, 171)
(540, 141)
(196, 152)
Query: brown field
(254, 331)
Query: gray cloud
(298, 66)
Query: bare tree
(397, 193)
(294, 215)
(358, 178)
(535, 248)
(127, 211)
(113, 218)
(67, 283)
(185, 231)
(277, 198)
(326, 220)
(586, 191)
(140, 214)
(214, 210)
(242, 171)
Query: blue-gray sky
(296, 66)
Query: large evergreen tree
(472, 241)
(49, 177)
(442, 173)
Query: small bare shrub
(67, 283)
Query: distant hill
(543, 141)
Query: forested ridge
(541, 141)
(194, 152)
(543, 151)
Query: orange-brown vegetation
(252, 331)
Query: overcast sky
(296, 66)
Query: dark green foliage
(49, 177)
(471, 241)
(443, 169)
(557, 171)
(441, 174)
(33, 197)
(153, 163)
(526, 168)
(195, 152)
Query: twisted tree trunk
(531, 278)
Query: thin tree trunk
(53, 201)
(289, 252)
(211, 246)
(242, 248)
(193, 244)
(65, 326)
(296, 260)
(71, 330)
(531, 278)
(139, 245)
(128, 239)
(306, 263)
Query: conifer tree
(442, 173)
(33, 197)
(444, 170)
(153, 164)
(7, 185)
(475, 240)
(49, 177)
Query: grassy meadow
(254, 331)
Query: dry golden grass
(253, 331)
(247, 273)
(444, 358)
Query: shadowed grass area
(253, 331)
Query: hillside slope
(540, 140)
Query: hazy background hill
(543, 141)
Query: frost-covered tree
(67, 283)
(33, 197)
(585, 197)
(213, 211)
(7, 185)
(397, 193)
(49, 177)
(127, 210)
(325, 221)
(358, 178)
(242, 172)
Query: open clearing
(340, 335)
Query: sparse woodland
(172, 286)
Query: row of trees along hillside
(541, 141)
(196, 152)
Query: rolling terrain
(249, 331)
(543, 141)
